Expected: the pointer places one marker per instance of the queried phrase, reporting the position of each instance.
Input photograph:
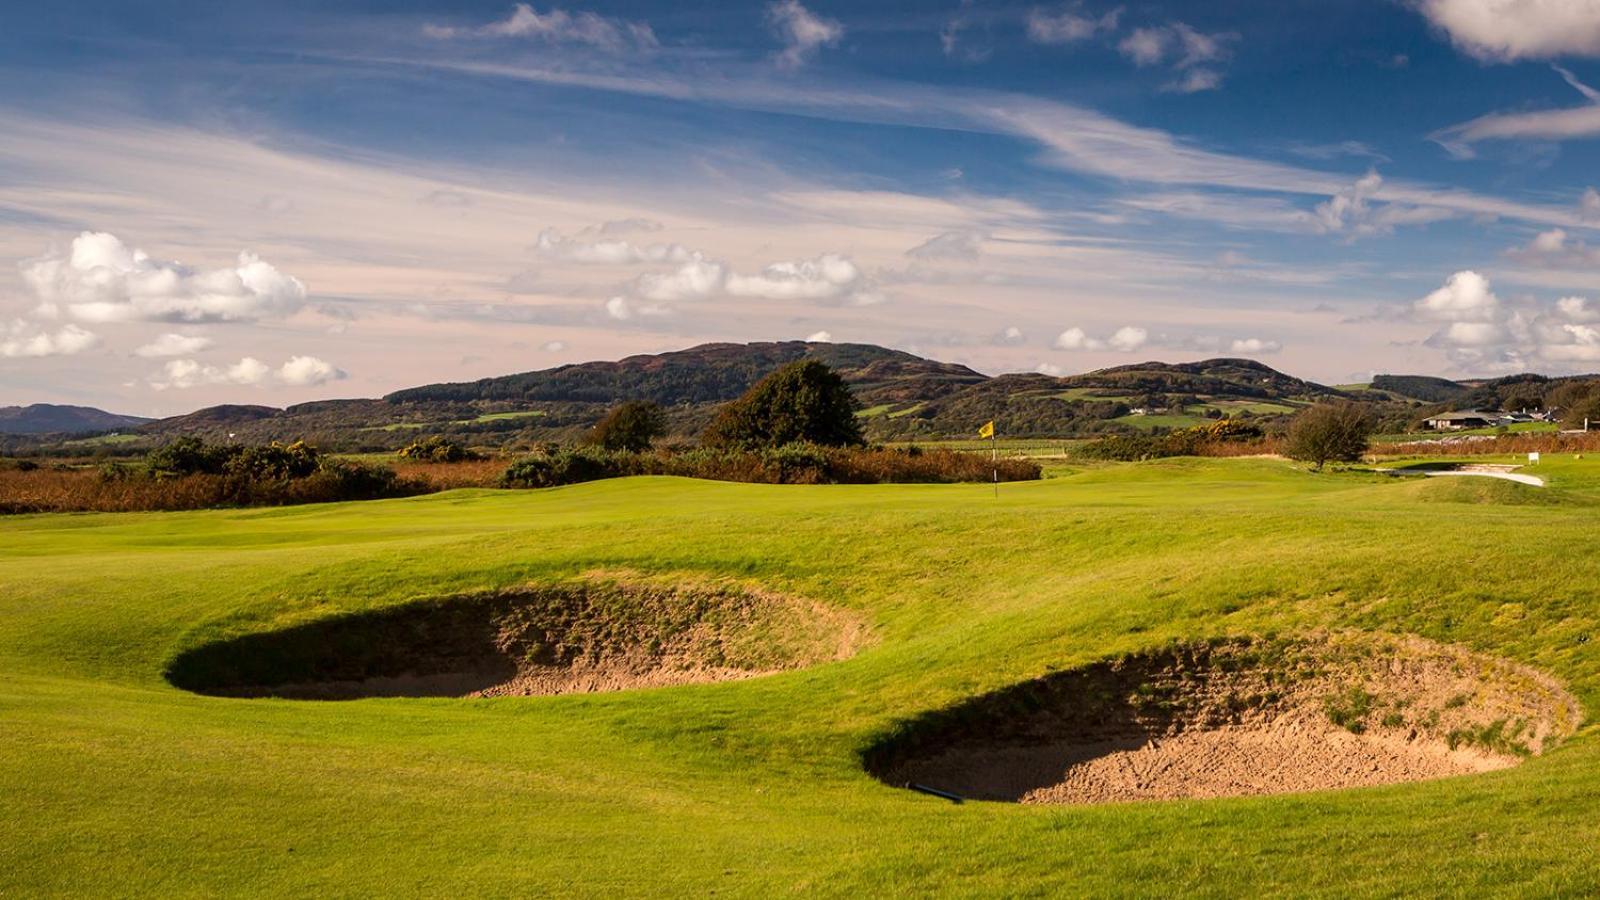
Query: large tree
(631, 426)
(1329, 432)
(804, 401)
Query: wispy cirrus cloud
(557, 26)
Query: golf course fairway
(897, 602)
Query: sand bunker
(572, 638)
(1236, 718)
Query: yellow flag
(987, 431)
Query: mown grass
(111, 781)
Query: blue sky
(271, 203)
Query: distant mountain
(1421, 387)
(49, 418)
(709, 373)
(902, 396)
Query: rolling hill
(49, 418)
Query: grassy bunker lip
(576, 637)
(1235, 717)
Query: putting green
(113, 781)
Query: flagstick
(994, 460)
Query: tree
(1584, 410)
(1329, 432)
(804, 401)
(631, 426)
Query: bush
(436, 449)
(272, 462)
(788, 464)
(802, 402)
(632, 426)
(566, 467)
(1329, 432)
(1222, 437)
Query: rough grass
(114, 782)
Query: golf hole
(1234, 718)
(536, 640)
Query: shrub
(1329, 432)
(632, 426)
(436, 449)
(272, 462)
(802, 402)
(789, 464)
(187, 456)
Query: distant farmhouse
(1472, 418)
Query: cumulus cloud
(101, 279)
(552, 244)
(621, 309)
(299, 371)
(950, 245)
(1482, 332)
(1589, 205)
(20, 339)
(1352, 211)
(1509, 30)
(1069, 27)
(1556, 248)
(1124, 340)
(557, 27)
(1054, 371)
(802, 32)
(1253, 346)
(172, 344)
(1193, 54)
(696, 278)
(826, 277)
(554, 346)
(1464, 297)
(820, 337)
(1012, 336)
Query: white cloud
(101, 279)
(1253, 346)
(950, 245)
(1128, 339)
(1012, 336)
(1508, 30)
(1555, 248)
(1195, 81)
(558, 27)
(620, 309)
(299, 371)
(826, 277)
(1589, 205)
(694, 279)
(21, 339)
(308, 371)
(1193, 54)
(1465, 297)
(607, 252)
(172, 344)
(1124, 340)
(820, 337)
(1069, 27)
(1045, 368)
(554, 346)
(802, 32)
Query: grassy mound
(572, 638)
(1235, 717)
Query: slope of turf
(114, 781)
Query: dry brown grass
(475, 473)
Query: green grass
(486, 417)
(114, 782)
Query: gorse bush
(191, 474)
(788, 464)
(436, 449)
